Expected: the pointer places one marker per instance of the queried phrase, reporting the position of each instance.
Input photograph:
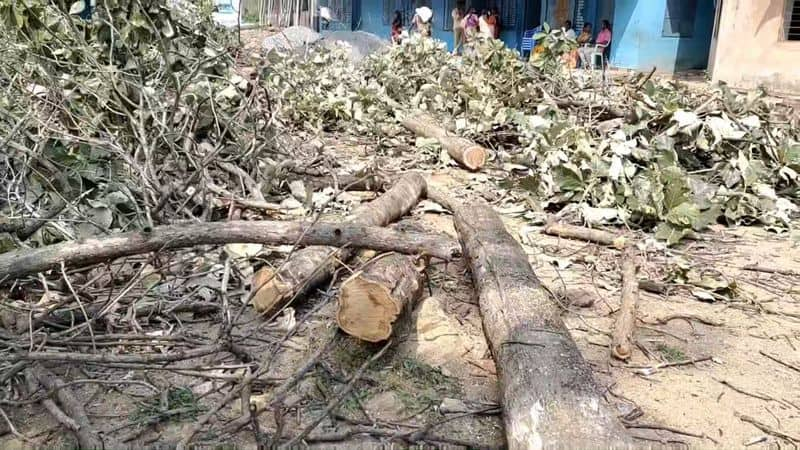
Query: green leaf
(683, 215)
(670, 233)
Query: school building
(743, 42)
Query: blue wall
(638, 42)
(368, 16)
(371, 20)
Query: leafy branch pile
(655, 154)
(125, 119)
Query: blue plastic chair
(527, 40)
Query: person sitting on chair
(569, 33)
(601, 43)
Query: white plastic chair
(596, 56)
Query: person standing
(471, 25)
(458, 30)
(484, 30)
(423, 21)
(497, 23)
(397, 27)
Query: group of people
(467, 27)
(422, 23)
(583, 54)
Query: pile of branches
(655, 154)
(123, 121)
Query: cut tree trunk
(311, 266)
(359, 234)
(549, 397)
(621, 347)
(371, 300)
(467, 153)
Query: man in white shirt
(567, 29)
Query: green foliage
(662, 167)
(553, 44)
(181, 404)
(671, 354)
(113, 110)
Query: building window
(679, 18)
(508, 14)
(792, 20)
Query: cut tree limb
(88, 438)
(311, 266)
(361, 235)
(372, 299)
(586, 234)
(621, 347)
(467, 153)
(549, 397)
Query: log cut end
(372, 300)
(268, 291)
(474, 157)
(367, 310)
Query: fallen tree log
(549, 397)
(586, 234)
(621, 347)
(372, 299)
(360, 235)
(311, 266)
(467, 153)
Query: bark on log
(549, 397)
(371, 300)
(467, 153)
(626, 317)
(360, 234)
(311, 266)
(586, 234)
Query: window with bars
(508, 14)
(792, 17)
(580, 8)
(679, 18)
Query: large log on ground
(359, 235)
(549, 397)
(372, 299)
(467, 153)
(311, 266)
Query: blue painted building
(375, 16)
(672, 35)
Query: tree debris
(464, 151)
(621, 346)
(372, 299)
(312, 265)
(536, 358)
